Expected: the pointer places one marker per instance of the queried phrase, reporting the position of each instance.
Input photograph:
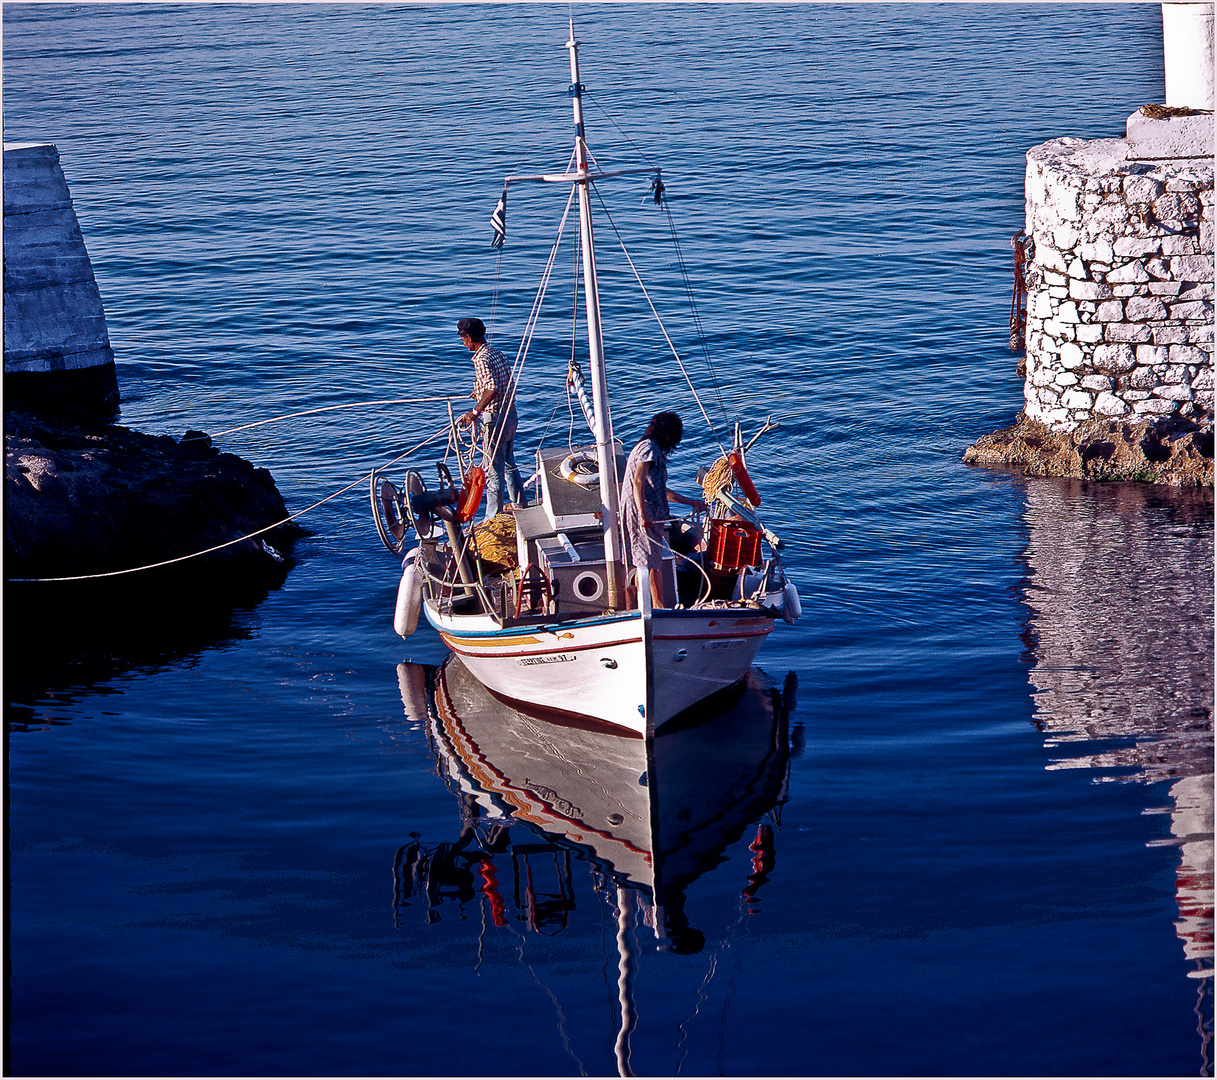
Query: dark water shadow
(66, 640)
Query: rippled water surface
(257, 845)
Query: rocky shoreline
(1169, 450)
(86, 497)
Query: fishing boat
(542, 619)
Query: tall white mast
(605, 450)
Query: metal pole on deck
(605, 450)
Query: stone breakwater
(91, 498)
(1119, 285)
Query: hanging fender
(569, 470)
(792, 607)
(745, 481)
(409, 597)
(471, 494)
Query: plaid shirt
(491, 371)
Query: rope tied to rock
(239, 539)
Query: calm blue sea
(983, 853)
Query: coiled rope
(248, 536)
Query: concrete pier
(56, 346)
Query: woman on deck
(644, 503)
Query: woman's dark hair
(666, 429)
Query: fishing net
(495, 543)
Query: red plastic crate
(734, 544)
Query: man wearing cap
(494, 403)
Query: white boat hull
(597, 667)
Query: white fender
(793, 608)
(409, 599)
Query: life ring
(585, 477)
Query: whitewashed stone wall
(1119, 286)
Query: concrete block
(1126, 273)
(1071, 356)
(1154, 406)
(33, 179)
(1137, 246)
(1131, 333)
(1110, 405)
(1113, 359)
(1188, 354)
(1151, 354)
(1077, 399)
(1144, 309)
(55, 320)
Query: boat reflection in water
(1120, 634)
(550, 805)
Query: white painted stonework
(1187, 51)
(1119, 286)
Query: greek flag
(498, 221)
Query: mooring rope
(312, 412)
(239, 539)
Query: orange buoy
(745, 481)
(471, 493)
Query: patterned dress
(644, 547)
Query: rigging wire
(680, 260)
(662, 328)
(531, 325)
(701, 333)
(311, 412)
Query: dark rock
(1171, 450)
(91, 498)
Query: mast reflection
(1119, 590)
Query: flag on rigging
(498, 221)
